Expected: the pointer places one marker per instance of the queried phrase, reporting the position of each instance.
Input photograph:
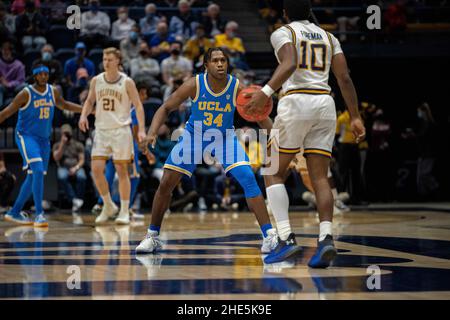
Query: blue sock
(38, 190)
(266, 227)
(134, 185)
(154, 228)
(24, 195)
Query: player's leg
(255, 201)
(109, 208)
(161, 203)
(124, 191)
(318, 168)
(16, 214)
(318, 145)
(39, 169)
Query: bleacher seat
(64, 54)
(28, 58)
(61, 37)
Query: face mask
(123, 16)
(82, 82)
(231, 34)
(46, 56)
(175, 52)
(94, 7)
(150, 16)
(420, 114)
(143, 53)
(134, 36)
(79, 53)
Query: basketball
(242, 101)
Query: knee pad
(246, 178)
(37, 167)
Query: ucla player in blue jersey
(36, 104)
(213, 95)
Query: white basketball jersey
(113, 109)
(315, 49)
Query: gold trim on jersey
(197, 88)
(99, 158)
(331, 43)
(178, 169)
(294, 36)
(305, 91)
(236, 87)
(318, 152)
(212, 92)
(123, 161)
(112, 82)
(237, 164)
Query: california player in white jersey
(113, 92)
(306, 120)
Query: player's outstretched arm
(19, 101)
(187, 90)
(340, 71)
(140, 114)
(83, 123)
(62, 104)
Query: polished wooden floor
(216, 256)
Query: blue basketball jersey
(36, 117)
(213, 110)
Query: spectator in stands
(395, 17)
(12, 73)
(95, 26)
(121, 28)
(183, 24)
(55, 11)
(161, 41)
(163, 147)
(144, 67)
(149, 23)
(18, 6)
(233, 45)
(214, 23)
(167, 3)
(7, 24)
(76, 79)
(31, 27)
(426, 139)
(69, 155)
(7, 182)
(348, 158)
(55, 67)
(129, 47)
(176, 66)
(197, 45)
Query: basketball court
(216, 256)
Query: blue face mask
(134, 36)
(150, 16)
(82, 82)
(46, 56)
(94, 7)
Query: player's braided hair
(208, 55)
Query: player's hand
(83, 124)
(150, 157)
(141, 136)
(358, 129)
(151, 140)
(257, 101)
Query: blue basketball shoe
(325, 253)
(40, 221)
(284, 250)
(20, 218)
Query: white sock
(107, 201)
(124, 205)
(335, 193)
(325, 228)
(279, 203)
